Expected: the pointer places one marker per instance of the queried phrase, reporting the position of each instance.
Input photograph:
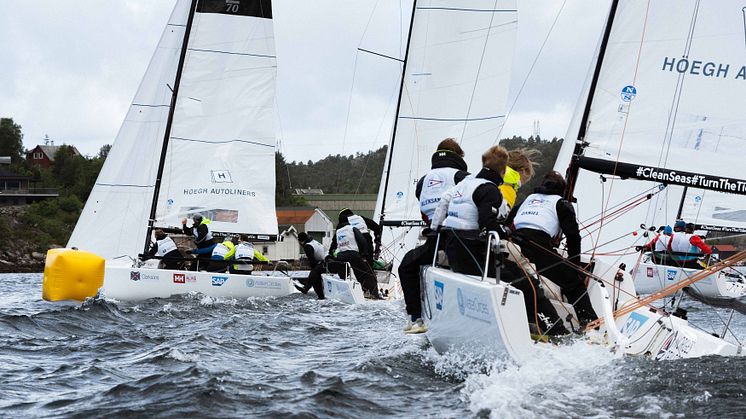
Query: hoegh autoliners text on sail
(701, 68)
(218, 191)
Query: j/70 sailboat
(640, 39)
(197, 139)
(455, 83)
(662, 138)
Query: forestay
(456, 81)
(114, 220)
(667, 109)
(220, 156)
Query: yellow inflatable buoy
(72, 275)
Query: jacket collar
(491, 175)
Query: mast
(681, 203)
(580, 144)
(398, 107)
(169, 123)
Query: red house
(43, 155)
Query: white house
(294, 220)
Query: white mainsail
(456, 83)
(220, 151)
(666, 109)
(115, 218)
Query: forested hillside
(36, 227)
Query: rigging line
(223, 142)
(378, 133)
(352, 87)
(243, 54)
(381, 55)
(424, 118)
(479, 71)
(615, 210)
(626, 119)
(530, 70)
(126, 185)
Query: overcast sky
(70, 68)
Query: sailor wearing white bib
(165, 247)
(244, 255)
(348, 246)
(366, 226)
(447, 169)
(537, 222)
(315, 253)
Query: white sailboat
(663, 129)
(485, 314)
(455, 83)
(197, 139)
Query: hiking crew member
(200, 230)
(366, 226)
(222, 252)
(519, 171)
(165, 247)
(349, 245)
(244, 255)
(447, 169)
(537, 221)
(687, 247)
(471, 208)
(315, 252)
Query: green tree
(11, 140)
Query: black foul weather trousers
(557, 269)
(363, 271)
(409, 274)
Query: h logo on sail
(221, 176)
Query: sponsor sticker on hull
(179, 279)
(263, 283)
(439, 288)
(218, 281)
(474, 306)
(143, 276)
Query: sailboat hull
(650, 278)
(350, 291)
(486, 318)
(135, 284)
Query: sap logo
(633, 324)
(671, 274)
(221, 176)
(135, 276)
(249, 282)
(218, 281)
(439, 288)
(650, 272)
(179, 279)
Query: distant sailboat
(198, 139)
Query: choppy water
(297, 357)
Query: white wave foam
(181, 356)
(550, 383)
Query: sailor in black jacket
(537, 221)
(469, 208)
(447, 169)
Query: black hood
(489, 174)
(550, 188)
(446, 158)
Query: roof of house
(294, 215)
(725, 247)
(51, 150)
